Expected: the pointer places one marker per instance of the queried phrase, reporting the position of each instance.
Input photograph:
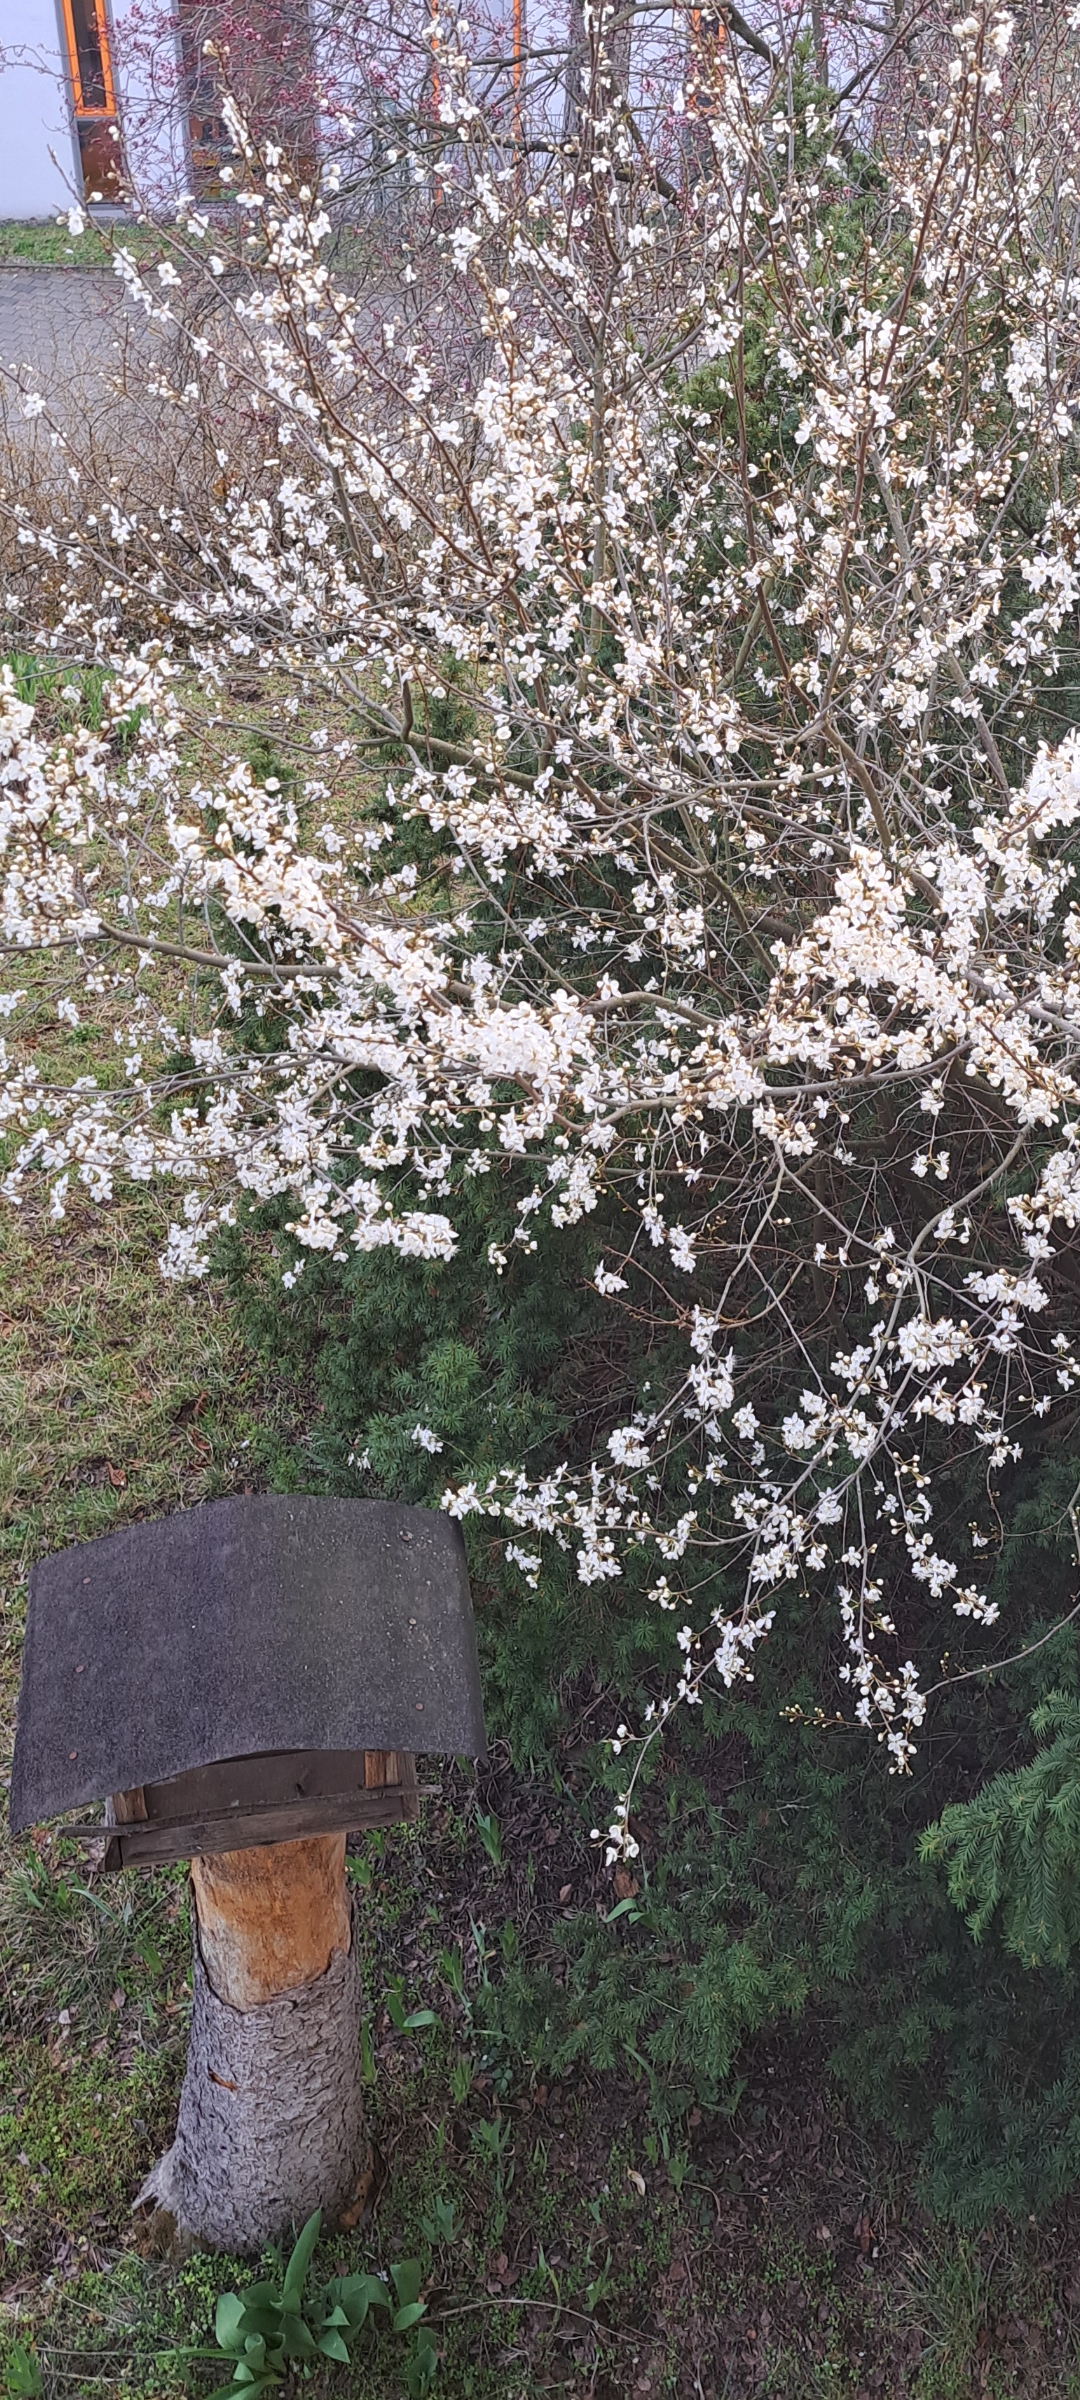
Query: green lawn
(49, 244)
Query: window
(269, 63)
(90, 69)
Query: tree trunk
(597, 65)
(575, 73)
(271, 2114)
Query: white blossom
(750, 921)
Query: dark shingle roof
(241, 1627)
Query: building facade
(101, 98)
(98, 96)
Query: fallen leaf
(365, 2192)
(638, 2181)
(156, 2235)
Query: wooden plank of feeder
(277, 1775)
(163, 1844)
(242, 1803)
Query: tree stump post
(271, 2121)
(244, 1682)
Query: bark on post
(270, 2125)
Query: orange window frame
(708, 35)
(95, 10)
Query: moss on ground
(65, 2140)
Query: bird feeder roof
(243, 1627)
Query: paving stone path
(57, 321)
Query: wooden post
(248, 1679)
(270, 2124)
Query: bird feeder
(243, 1684)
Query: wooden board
(242, 1803)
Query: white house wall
(39, 160)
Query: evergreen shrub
(784, 1886)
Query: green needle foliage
(784, 1886)
(1015, 1848)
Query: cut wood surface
(271, 1919)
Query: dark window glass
(89, 60)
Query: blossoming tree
(691, 548)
